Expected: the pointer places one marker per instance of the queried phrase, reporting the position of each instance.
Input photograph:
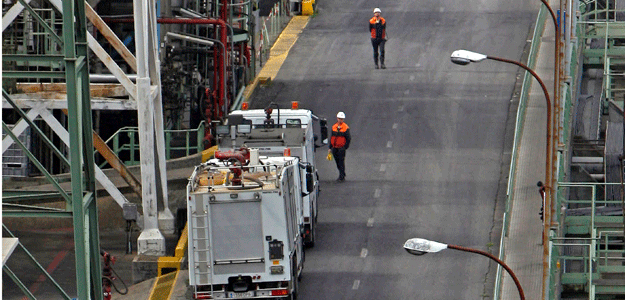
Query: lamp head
(464, 57)
(417, 246)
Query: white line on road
(395, 125)
(377, 193)
(370, 222)
(389, 144)
(364, 252)
(356, 284)
(383, 168)
(401, 107)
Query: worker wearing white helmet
(339, 142)
(377, 26)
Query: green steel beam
(42, 269)
(82, 206)
(88, 200)
(34, 127)
(21, 195)
(91, 207)
(33, 57)
(35, 214)
(43, 23)
(18, 282)
(31, 207)
(31, 74)
(80, 64)
(86, 235)
(74, 103)
(36, 162)
(590, 53)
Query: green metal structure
(193, 143)
(586, 250)
(71, 39)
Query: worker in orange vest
(377, 26)
(339, 142)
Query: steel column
(86, 236)
(151, 241)
(165, 217)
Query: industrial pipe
(223, 37)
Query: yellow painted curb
(183, 242)
(208, 153)
(163, 286)
(278, 53)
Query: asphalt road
(429, 155)
(431, 143)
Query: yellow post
(307, 7)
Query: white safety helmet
(340, 115)
(376, 10)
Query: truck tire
(295, 289)
(313, 233)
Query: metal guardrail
(601, 254)
(269, 34)
(130, 148)
(524, 96)
(598, 21)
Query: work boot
(376, 66)
(383, 66)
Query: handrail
(274, 18)
(132, 146)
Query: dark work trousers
(378, 43)
(339, 157)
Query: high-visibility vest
(378, 28)
(338, 139)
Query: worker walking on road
(339, 142)
(377, 26)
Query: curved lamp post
(464, 57)
(417, 246)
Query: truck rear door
(236, 228)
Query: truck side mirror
(310, 185)
(324, 130)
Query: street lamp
(418, 246)
(464, 57)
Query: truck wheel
(294, 293)
(311, 239)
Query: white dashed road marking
(377, 193)
(364, 252)
(389, 144)
(370, 222)
(356, 284)
(382, 167)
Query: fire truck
(245, 223)
(281, 132)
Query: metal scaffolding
(81, 201)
